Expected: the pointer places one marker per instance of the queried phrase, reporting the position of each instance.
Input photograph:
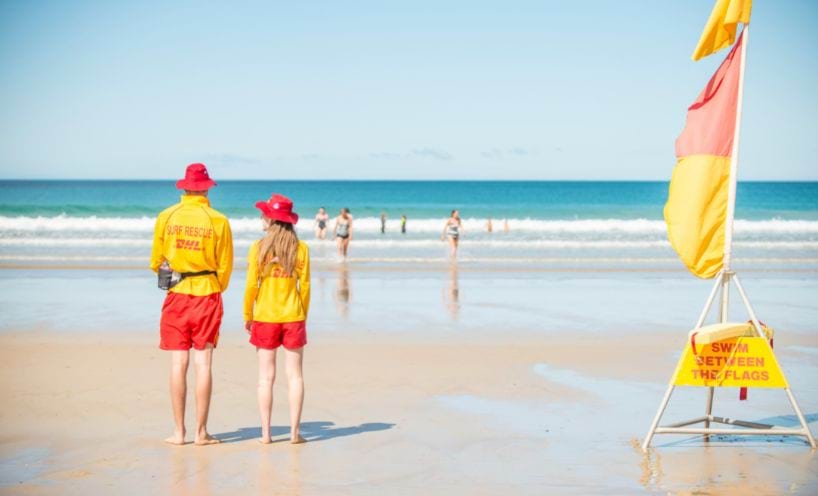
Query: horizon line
(9, 179)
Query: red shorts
(189, 320)
(270, 336)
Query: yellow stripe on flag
(720, 30)
(696, 211)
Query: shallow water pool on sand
(598, 430)
(453, 301)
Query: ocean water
(553, 224)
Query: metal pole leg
(657, 418)
(725, 296)
(709, 302)
(725, 300)
(753, 318)
(709, 410)
(801, 418)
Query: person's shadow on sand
(311, 431)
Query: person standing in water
(193, 249)
(276, 304)
(321, 220)
(343, 231)
(403, 224)
(452, 231)
(489, 226)
(383, 222)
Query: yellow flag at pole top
(720, 30)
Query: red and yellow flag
(696, 207)
(720, 30)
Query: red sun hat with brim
(279, 208)
(196, 179)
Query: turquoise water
(562, 223)
(416, 199)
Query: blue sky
(388, 90)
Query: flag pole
(731, 191)
(726, 271)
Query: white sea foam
(588, 261)
(72, 258)
(64, 223)
(75, 242)
(415, 243)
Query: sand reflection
(451, 295)
(650, 466)
(274, 476)
(343, 292)
(190, 474)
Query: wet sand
(390, 413)
(450, 380)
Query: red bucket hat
(196, 179)
(278, 207)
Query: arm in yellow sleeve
(157, 257)
(304, 282)
(251, 286)
(224, 254)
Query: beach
(533, 363)
(514, 248)
(417, 382)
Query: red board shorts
(189, 320)
(270, 335)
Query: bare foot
(265, 440)
(297, 440)
(206, 440)
(178, 439)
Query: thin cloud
(498, 153)
(431, 153)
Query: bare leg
(178, 393)
(340, 242)
(266, 378)
(452, 246)
(295, 384)
(345, 244)
(204, 385)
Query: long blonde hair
(280, 241)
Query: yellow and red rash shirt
(278, 297)
(193, 237)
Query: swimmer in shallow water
(343, 232)
(321, 221)
(452, 231)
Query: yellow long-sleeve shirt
(193, 237)
(278, 297)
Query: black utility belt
(169, 278)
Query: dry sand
(384, 414)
